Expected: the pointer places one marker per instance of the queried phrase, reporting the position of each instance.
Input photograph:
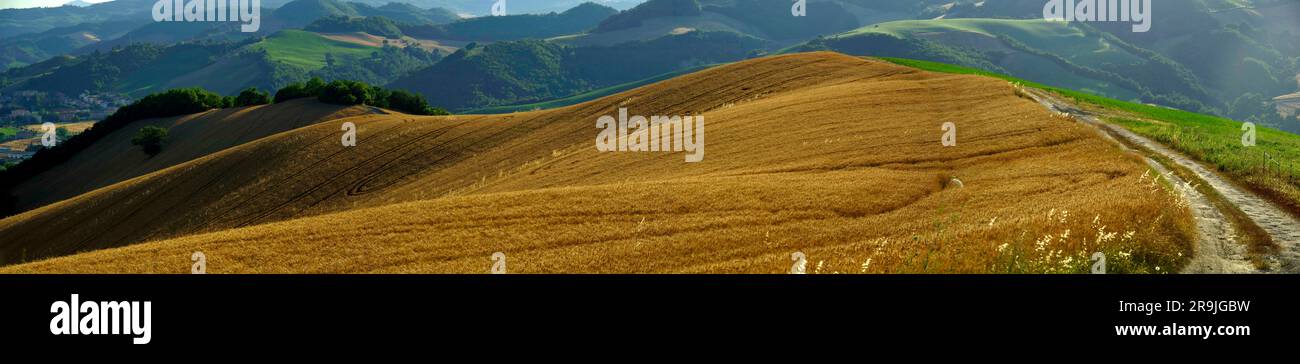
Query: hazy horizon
(24, 4)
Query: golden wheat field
(836, 157)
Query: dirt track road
(1218, 250)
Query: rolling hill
(514, 7)
(515, 72)
(77, 31)
(25, 49)
(765, 19)
(14, 22)
(137, 69)
(985, 44)
(226, 67)
(342, 40)
(299, 13)
(793, 163)
(194, 136)
(1223, 57)
(308, 50)
(514, 27)
(1219, 57)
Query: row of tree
(342, 92)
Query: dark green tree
(151, 139)
(348, 93)
(295, 90)
(252, 96)
(412, 103)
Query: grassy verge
(1269, 168)
(1258, 242)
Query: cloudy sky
(8, 4)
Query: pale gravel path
(1284, 228)
(1217, 248)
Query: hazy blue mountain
(515, 27)
(514, 72)
(24, 49)
(23, 21)
(1212, 56)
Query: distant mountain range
(1209, 56)
(528, 71)
(1225, 57)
